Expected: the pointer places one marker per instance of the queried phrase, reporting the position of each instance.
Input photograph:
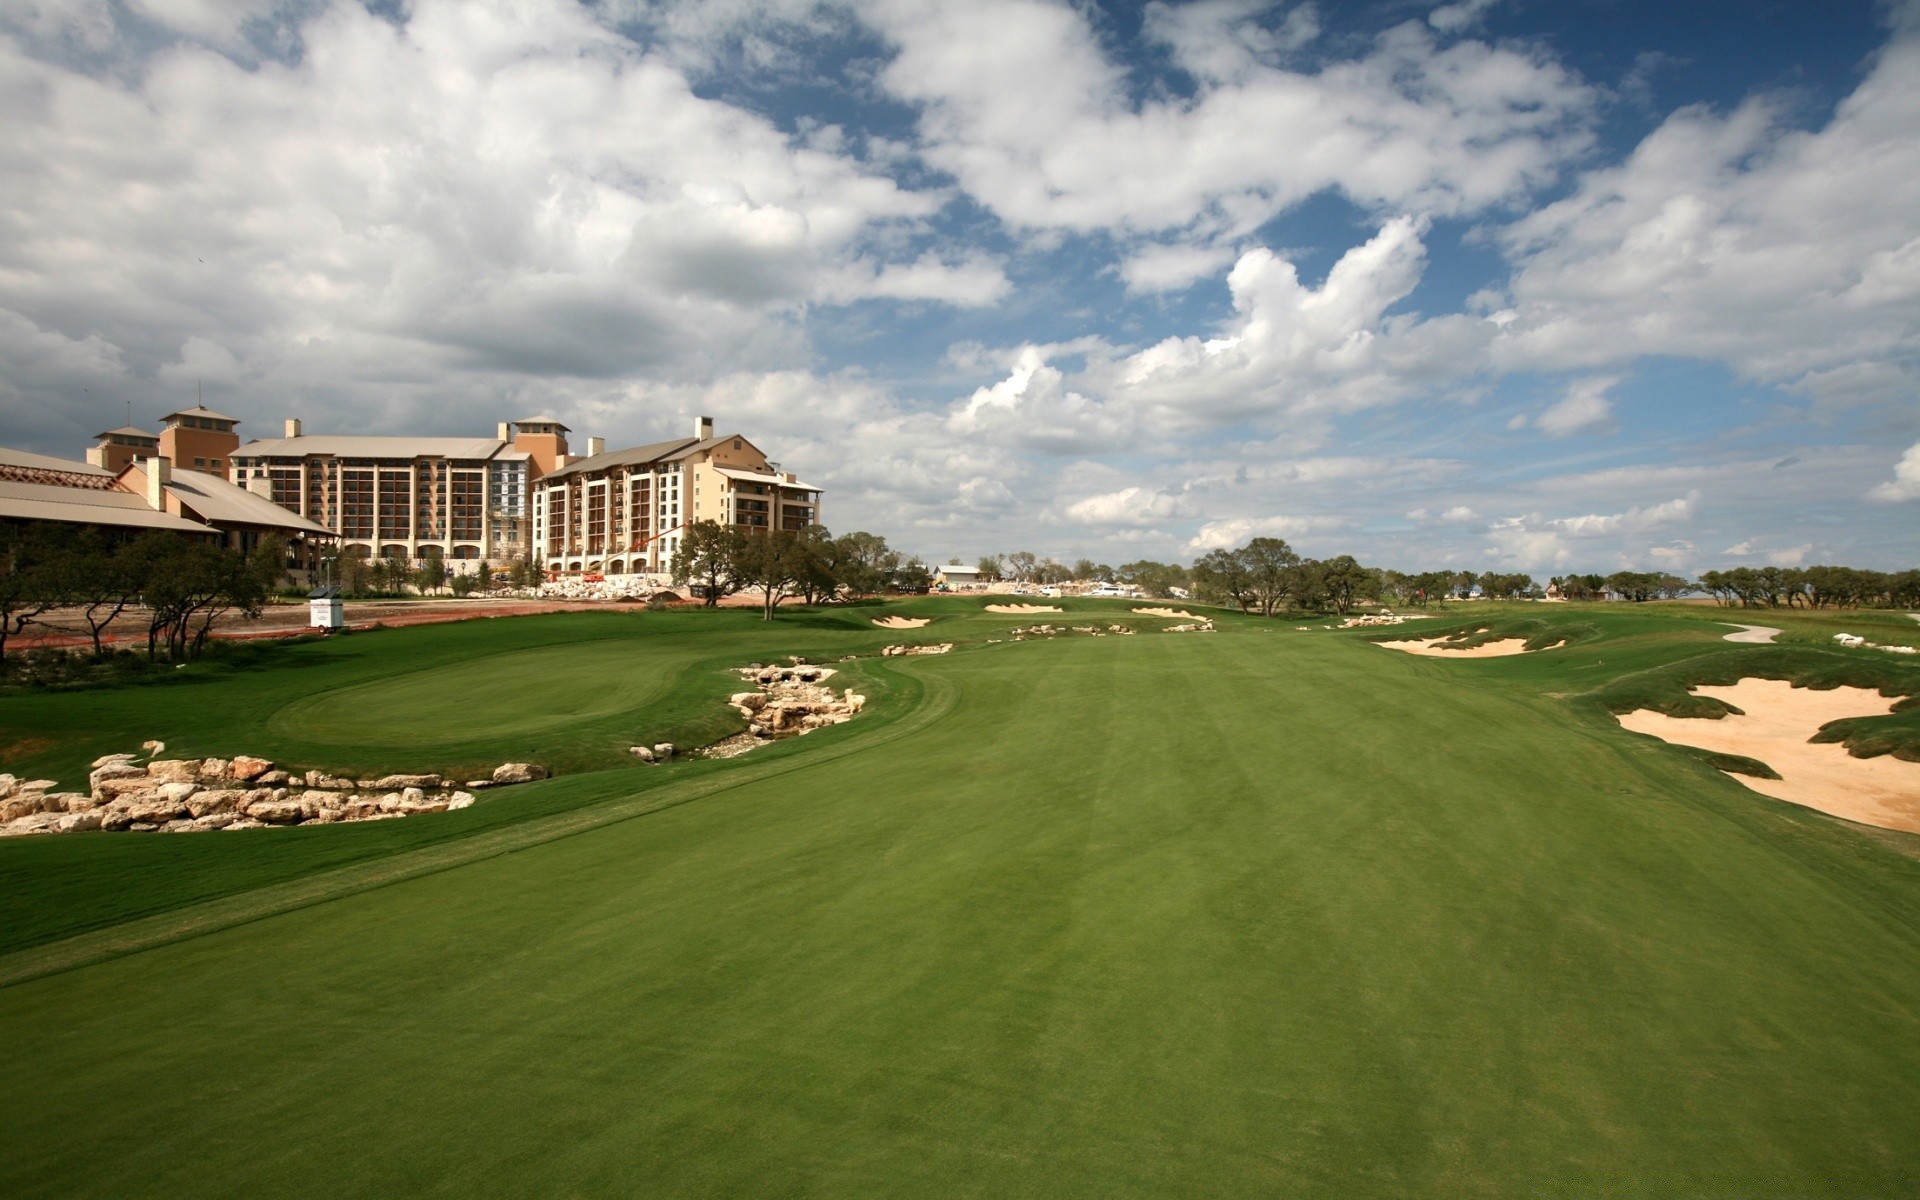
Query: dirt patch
(1021, 610)
(1775, 721)
(1760, 634)
(902, 622)
(1175, 613)
(1439, 648)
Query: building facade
(623, 512)
(117, 448)
(455, 499)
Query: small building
(952, 577)
(324, 608)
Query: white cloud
(1222, 535)
(476, 198)
(1585, 408)
(1787, 254)
(1905, 484)
(1155, 267)
(1129, 506)
(1792, 557)
(1019, 102)
(1634, 520)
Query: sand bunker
(1166, 612)
(1882, 791)
(1021, 610)
(1437, 648)
(901, 622)
(1751, 633)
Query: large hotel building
(621, 512)
(519, 494)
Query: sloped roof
(757, 477)
(129, 431)
(201, 410)
(372, 446)
(46, 462)
(218, 502)
(632, 457)
(86, 506)
(544, 421)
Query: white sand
(1021, 610)
(1437, 648)
(1166, 612)
(1751, 633)
(902, 622)
(1778, 720)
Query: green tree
(1221, 577)
(708, 557)
(989, 567)
(31, 576)
(863, 563)
(1272, 572)
(1343, 580)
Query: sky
(1580, 285)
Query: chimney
(506, 432)
(703, 428)
(159, 475)
(596, 445)
(561, 460)
(293, 427)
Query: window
(199, 463)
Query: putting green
(1247, 913)
(497, 695)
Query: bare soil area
(1438, 648)
(68, 628)
(1021, 610)
(1166, 612)
(902, 622)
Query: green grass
(1254, 912)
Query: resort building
(198, 439)
(117, 448)
(461, 500)
(35, 488)
(622, 512)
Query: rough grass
(1250, 913)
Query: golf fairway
(1247, 913)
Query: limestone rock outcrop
(187, 795)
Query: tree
(864, 564)
(29, 576)
(774, 562)
(1154, 578)
(1221, 576)
(187, 584)
(1020, 566)
(1343, 580)
(989, 567)
(913, 576)
(818, 579)
(1270, 566)
(708, 557)
(87, 574)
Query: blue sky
(1583, 285)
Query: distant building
(116, 448)
(198, 439)
(953, 577)
(457, 499)
(623, 512)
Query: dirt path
(289, 620)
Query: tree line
(1267, 576)
(181, 585)
(809, 564)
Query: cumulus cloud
(1905, 484)
(1129, 506)
(1586, 408)
(468, 192)
(1741, 237)
(1021, 104)
(1221, 535)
